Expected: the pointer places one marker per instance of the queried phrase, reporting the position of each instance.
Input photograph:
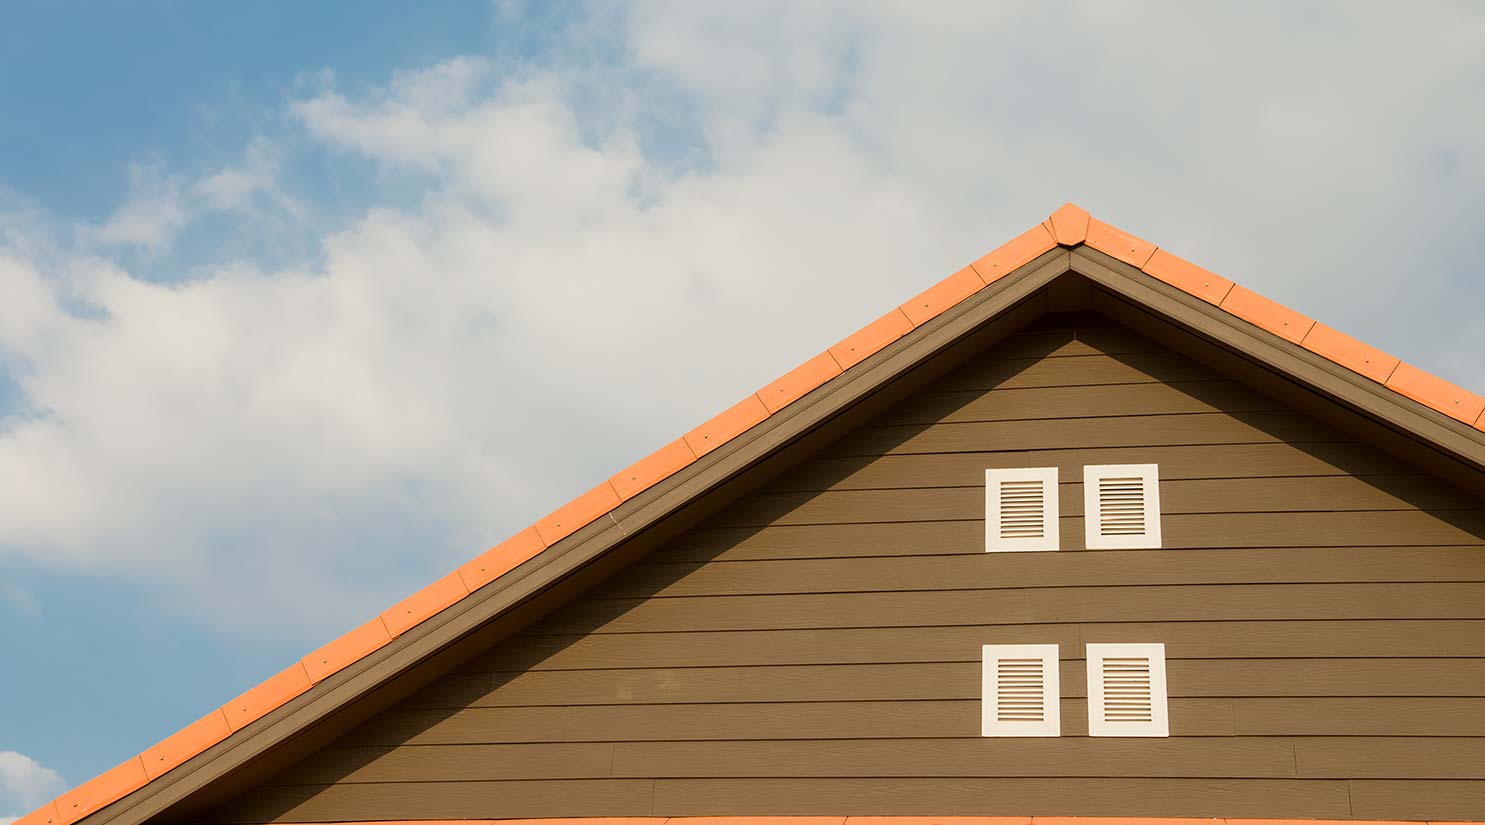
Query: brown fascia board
(472, 624)
(1351, 402)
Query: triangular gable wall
(814, 647)
(1359, 380)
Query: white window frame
(1096, 540)
(1159, 724)
(990, 723)
(1051, 539)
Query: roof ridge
(1070, 226)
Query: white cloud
(150, 218)
(602, 255)
(161, 206)
(24, 785)
(237, 187)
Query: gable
(1069, 263)
(814, 646)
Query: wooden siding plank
(1063, 433)
(1019, 570)
(1028, 606)
(1307, 798)
(438, 727)
(1183, 640)
(1417, 799)
(1080, 370)
(1394, 757)
(1073, 340)
(767, 647)
(1076, 402)
(1276, 459)
(1165, 758)
(1360, 716)
(389, 801)
(1391, 528)
(452, 763)
(1242, 495)
(942, 680)
(937, 719)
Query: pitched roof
(1121, 262)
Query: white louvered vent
(1021, 691)
(1126, 690)
(1121, 506)
(1021, 509)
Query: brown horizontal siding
(814, 648)
(1062, 433)
(1040, 605)
(1032, 404)
(1178, 497)
(890, 719)
(1426, 717)
(1302, 798)
(1131, 567)
(1264, 460)
(1174, 758)
(945, 680)
(1357, 638)
(1360, 716)
(1412, 528)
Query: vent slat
(1022, 511)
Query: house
(1082, 530)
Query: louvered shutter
(1021, 509)
(1126, 690)
(1021, 691)
(1121, 506)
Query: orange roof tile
(1270, 315)
(1187, 277)
(411, 611)
(101, 790)
(347, 649)
(1350, 353)
(187, 742)
(1437, 393)
(1069, 226)
(722, 427)
(578, 513)
(797, 383)
(942, 295)
(1118, 244)
(266, 696)
(867, 341)
(501, 559)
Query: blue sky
(304, 304)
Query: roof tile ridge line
(1360, 358)
(432, 599)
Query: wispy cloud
(24, 785)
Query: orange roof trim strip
(1069, 226)
(888, 820)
